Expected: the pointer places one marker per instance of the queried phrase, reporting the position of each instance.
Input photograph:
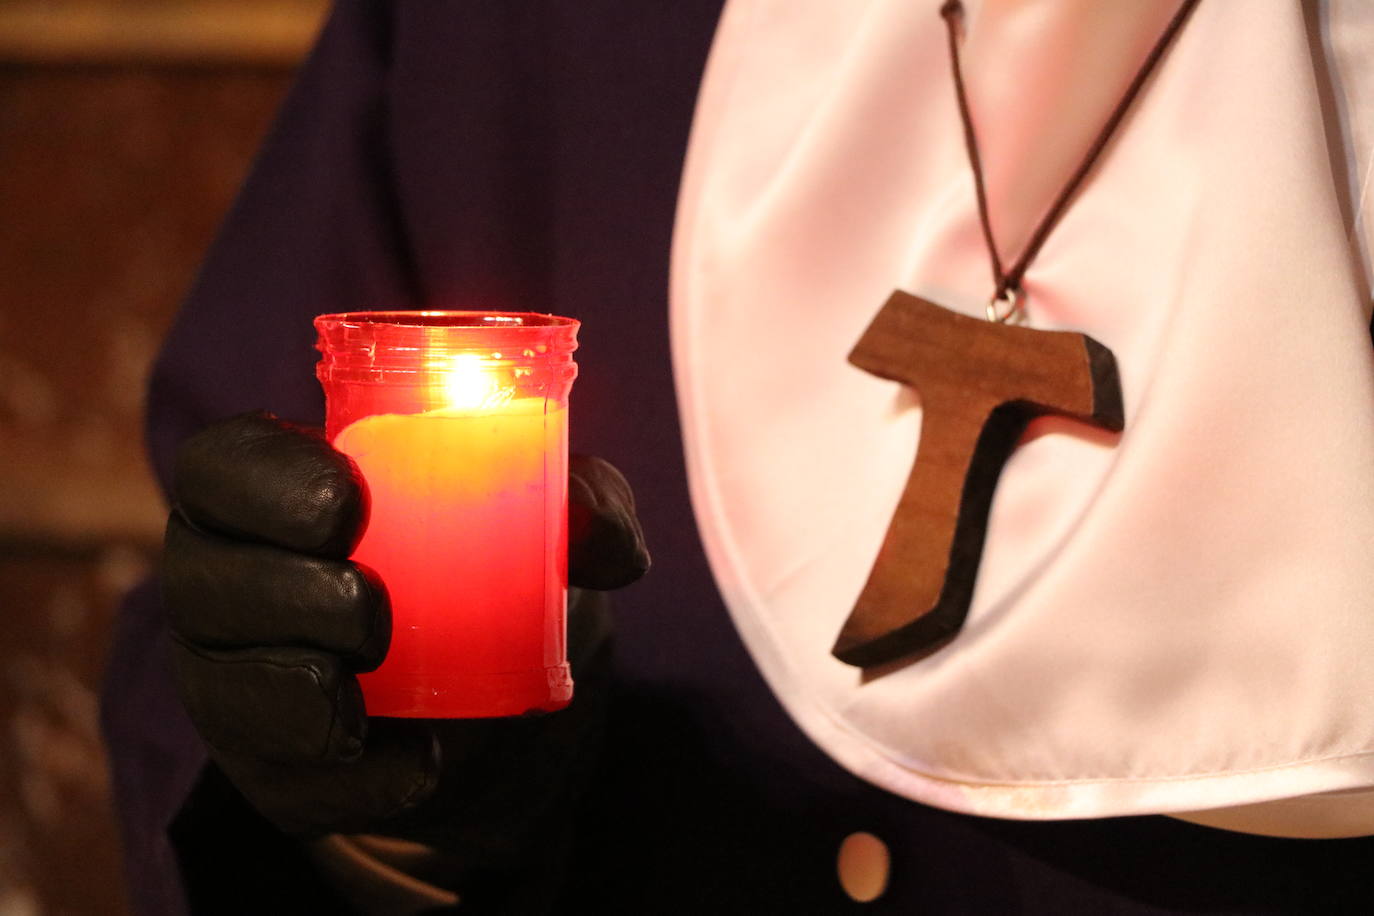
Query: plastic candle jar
(458, 422)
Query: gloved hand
(270, 622)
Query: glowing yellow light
(469, 383)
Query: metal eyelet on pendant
(1008, 307)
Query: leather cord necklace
(980, 384)
(1006, 298)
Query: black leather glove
(270, 622)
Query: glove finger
(605, 544)
(227, 594)
(397, 770)
(288, 705)
(254, 476)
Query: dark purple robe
(522, 155)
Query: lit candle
(464, 451)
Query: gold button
(863, 866)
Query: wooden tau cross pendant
(980, 384)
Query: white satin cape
(1179, 619)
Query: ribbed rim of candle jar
(449, 319)
(386, 346)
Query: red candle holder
(458, 422)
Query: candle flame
(469, 383)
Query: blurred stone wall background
(125, 128)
